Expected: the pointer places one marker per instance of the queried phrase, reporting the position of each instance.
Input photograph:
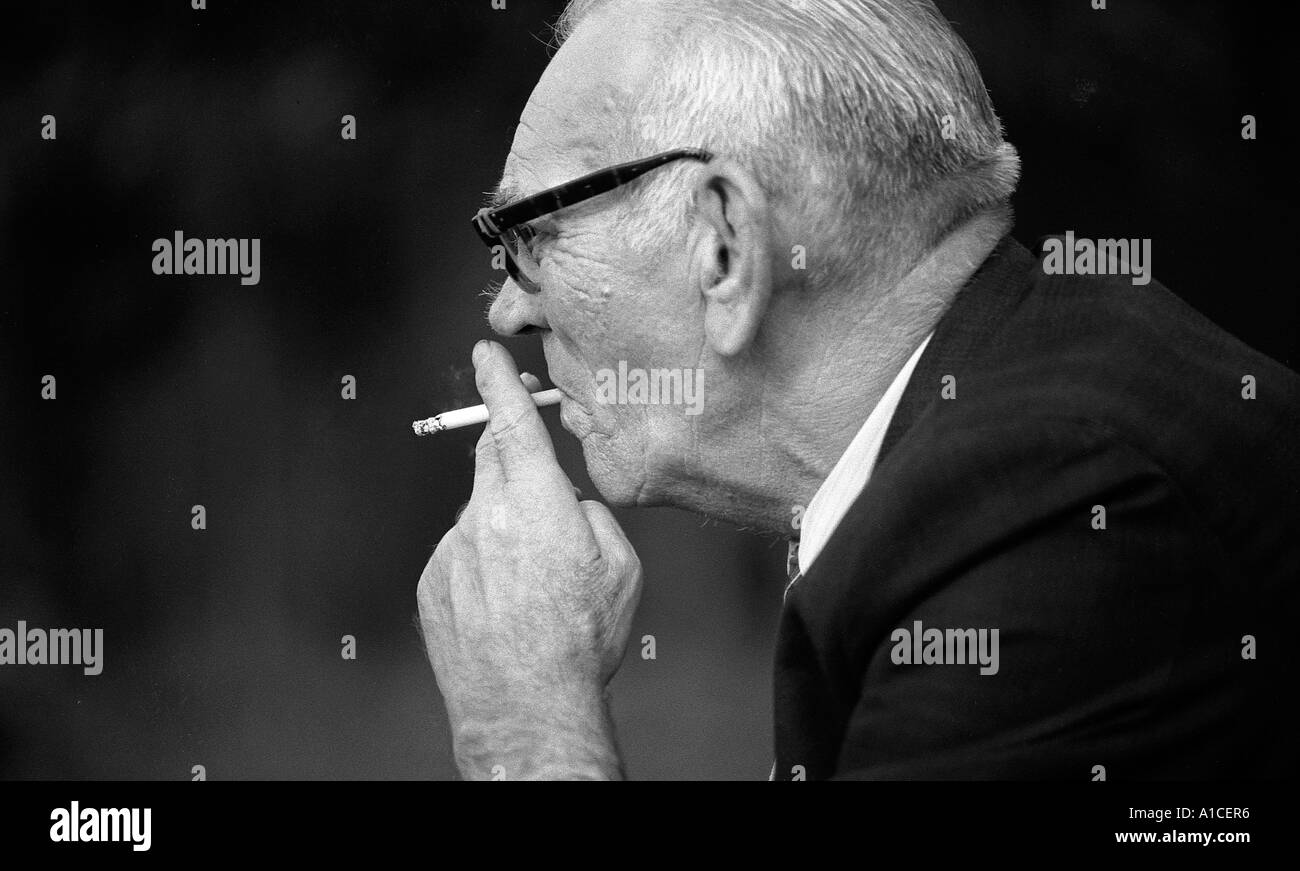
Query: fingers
(487, 465)
(609, 535)
(616, 549)
(523, 446)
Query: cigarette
(475, 414)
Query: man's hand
(527, 603)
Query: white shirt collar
(841, 488)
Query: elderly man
(1043, 520)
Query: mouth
(574, 416)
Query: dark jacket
(1122, 650)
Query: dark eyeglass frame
(508, 224)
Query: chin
(615, 476)
(618, 454)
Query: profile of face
(613, 309)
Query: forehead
(580, 102)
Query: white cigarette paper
(475, 414)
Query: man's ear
(731, 264)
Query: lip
(574, 417)
(556, 365)
(566, 411)
(565, 394)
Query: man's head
(851, 136)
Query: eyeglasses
(507, 225)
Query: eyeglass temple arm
(495, 221)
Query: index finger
(523, 445)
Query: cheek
(577, 296)
(610, 307)
(588, 308)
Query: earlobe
(733, 263)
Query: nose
(516, 313)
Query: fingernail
(480, 350)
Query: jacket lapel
(978, 310)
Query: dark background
(222, 646)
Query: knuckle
(507, 423)
(460, 537)
(624, 562)
(429, 588)
(448, 551)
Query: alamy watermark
(23, 646)
(1067, 255)
(634, 386)
(92, 825)
(920, 646)
(181, 256)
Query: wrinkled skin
(527, 601)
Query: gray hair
(868, 118)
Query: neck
(846, 353)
